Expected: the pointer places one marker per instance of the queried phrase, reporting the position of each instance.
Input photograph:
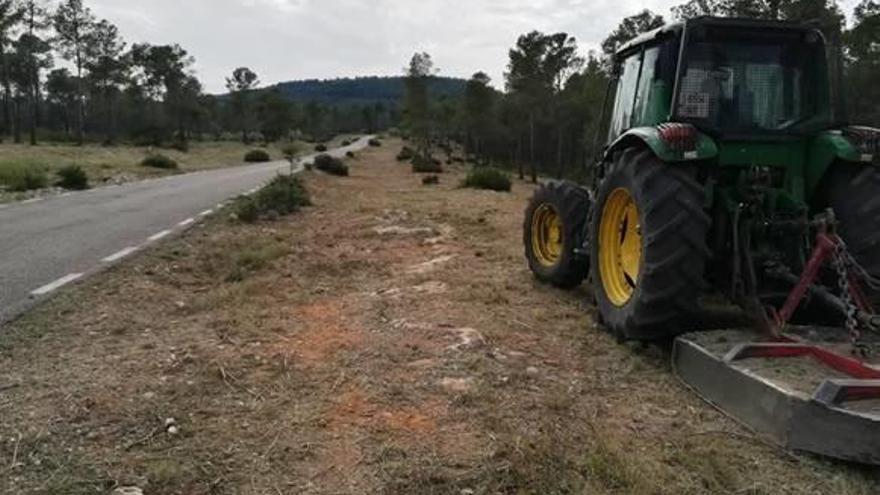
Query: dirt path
(388, 340)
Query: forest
(547, 118)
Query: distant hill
(363, 90)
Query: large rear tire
(853, 191)
(648, 246)
(554, 228)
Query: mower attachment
(803, 392)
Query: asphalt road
(47, 244)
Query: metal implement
(802, 393)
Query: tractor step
(806, 393)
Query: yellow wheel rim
(620, 247)
(547, 235)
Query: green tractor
(729, 169)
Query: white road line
(160, 235)
(42, 291)
(118, 256)
(187, 222)
(206, 213)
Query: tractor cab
(729, 78)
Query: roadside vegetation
(72, 177)
(331, 165)
(160, 161)
(257, 156)
(282, 196)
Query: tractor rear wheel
(852, 191)
(648, 246)
(554, 228)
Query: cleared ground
(388, 340)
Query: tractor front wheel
(648, 240)
(554, 228)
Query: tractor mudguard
(827, 148)
(650, 136)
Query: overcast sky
(297, 39)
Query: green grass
(23, 174)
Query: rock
(430, 265)
(457, 384)
(396, 230)
(468, 339)
(127, 490)
(531, 370)
(173, 430)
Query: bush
(257, 156)
(157, 160)
(349, 154)
(422, 165)
(23, 175)
(345, 142)
(321, 148)
(406, 154)
(331, 165)
(72, 177)
(375, 143)
(488, 178)
(290, 150)
(430, 180)
(283, 195)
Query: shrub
(257, 156)
(331, 165)
(23, 175)
(375, 143)
(422, 165)
(345, 142)
(488, 178)
(283, 195)
(406, 153)
(321, 148)
(430, 180)
(72, 177)
(290, 150)
(349, 154)
(157, 160)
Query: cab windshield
(735, 82)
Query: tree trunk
(519, 161)
(33, 112)
(80, 107)
(533, 165)
(16, 111)
(7, 92)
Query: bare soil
(389, 339)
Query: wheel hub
(547, 235)
(620, 247)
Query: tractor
(730, 171)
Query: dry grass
(388, 340)
(116, 164)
